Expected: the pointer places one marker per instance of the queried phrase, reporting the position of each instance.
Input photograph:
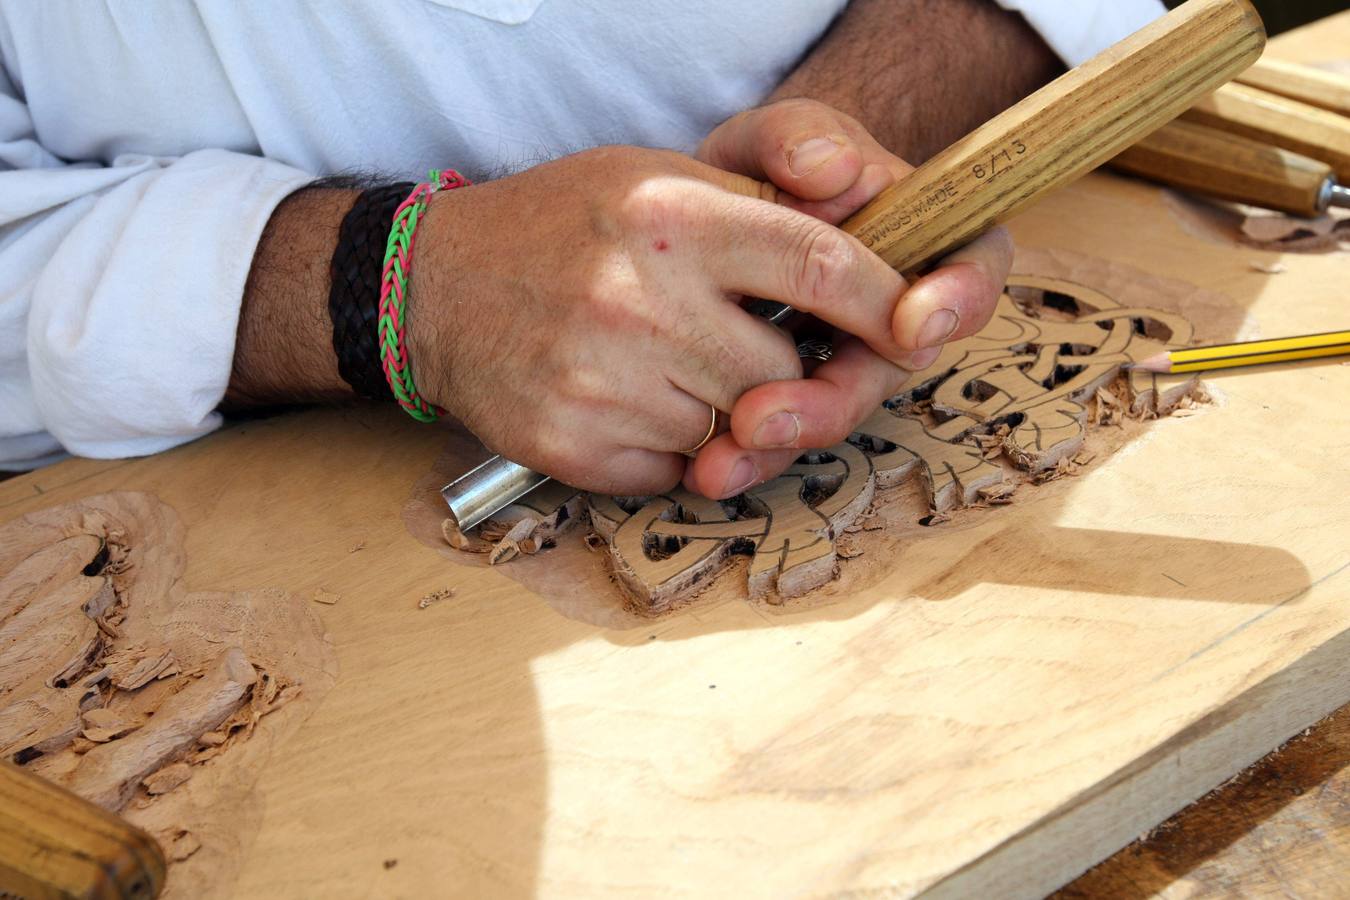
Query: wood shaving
(461, 541)
(136, 667)
(327, 598)
(509, 547)
(435, 596)
(1000, 494)
(360, 545)
(1107, 409)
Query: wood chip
(461, 541)
(167, 778)
(435, 596)
(360, 545)
(1000, 494)
(327, 598)
(102, 725)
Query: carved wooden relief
(1007, 407)
(150, 701)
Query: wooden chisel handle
(1272, 119)
(1315, 87)
(55, 844)
(1068, 127)
(1200, 159)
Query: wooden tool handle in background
(1200, 159)
(1325, 90)
(1059, 133)
(1263, 116)
(55, 844)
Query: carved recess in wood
(1006, 407)
(149, 701)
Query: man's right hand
(582, 317)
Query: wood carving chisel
(1050, 139)
(1204, 160)
(1315, 87)
(1262, 116)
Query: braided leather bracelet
(354, 289)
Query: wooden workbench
(994, 715)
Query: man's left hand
(826, 164)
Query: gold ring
(712, 430)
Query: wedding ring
(712, 430)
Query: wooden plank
(993, 716)
(990, 712)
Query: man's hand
(581, 317)
(826, 165)
(584, 316)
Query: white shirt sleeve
(120, 289)
(1081, 29)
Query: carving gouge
(1051, 138)
(1207, 161)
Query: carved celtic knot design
(1019, 386)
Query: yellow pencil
(1251, 353)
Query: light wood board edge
(1119, 809)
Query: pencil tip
(1160, 364)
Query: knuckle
(581, 385)
(826, 270)
(655, 206)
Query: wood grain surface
(1018, 698)
(1282, 828)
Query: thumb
(802, 147)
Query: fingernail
(810, 155)
(743, 475)
(779, 430)
(941, 325)
(922, 359)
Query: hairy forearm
(284, 344)
(921, 73)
